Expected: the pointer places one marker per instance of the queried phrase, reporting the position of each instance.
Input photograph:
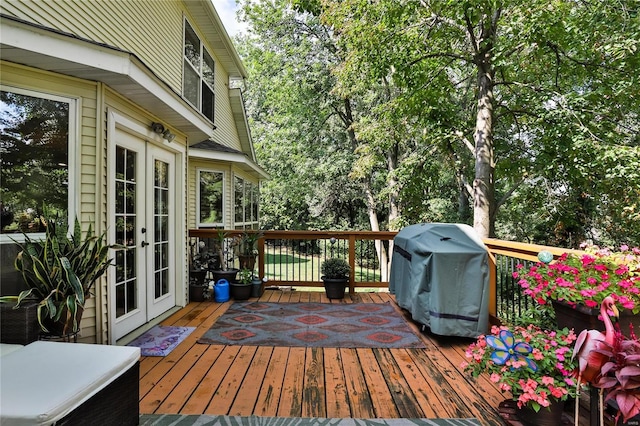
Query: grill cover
(440, 274)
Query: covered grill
(440, 274)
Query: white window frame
(73, 149)
(247, 191)
(199, 72)
(224, 189)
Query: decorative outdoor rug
(160, 340)
(326, 325)
(201, 420)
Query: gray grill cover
(440, 274)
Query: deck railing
(294, 258)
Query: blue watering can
(221, 292)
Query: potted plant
(577, 283)
(60, 271)
(335, 275)
(620, 376)
(248, 248)
(199, 261)
(223, 248)
(532, 364)
(241, 289)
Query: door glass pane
(125, 223)
(161, 223)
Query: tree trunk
(484, 203)
(375, 226)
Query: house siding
(86, 94)
(152, 30)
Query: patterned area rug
(202, 420)
(161, 340)
(327, 325)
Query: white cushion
(44, 381)
(6, 348)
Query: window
(35, 153)
(210, 199)
(197, 80)
(246, 200)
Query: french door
(144, 222)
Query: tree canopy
(520, 117)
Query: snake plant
(60, 271)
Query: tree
(535, 90)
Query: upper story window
(35, 153)
(210, 199)
(197, 80)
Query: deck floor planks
(359, 396)
(245, 402)
(422, 391)
(204, 392)
(163, 387)
(403, 398)
(378, 389)
(292, 387)
(313, 398)
(336, 388)
(295, 382)
(183, 390)
(235, 375)
(271, 387)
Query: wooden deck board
(312, 382)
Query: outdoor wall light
(168, 135)
(157, 128)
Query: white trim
(116, 120)
(74, 147)
(230, 157)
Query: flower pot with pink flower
(576, 284)
(532, 365)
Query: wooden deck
(312, 382)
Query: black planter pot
(229, 275)
(197, 276)
(196, 292)
(240, 291)
(256, 288)
(335, 287)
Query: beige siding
(226, 132)
(150, 29)
(86, 93)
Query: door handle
(144, 243)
